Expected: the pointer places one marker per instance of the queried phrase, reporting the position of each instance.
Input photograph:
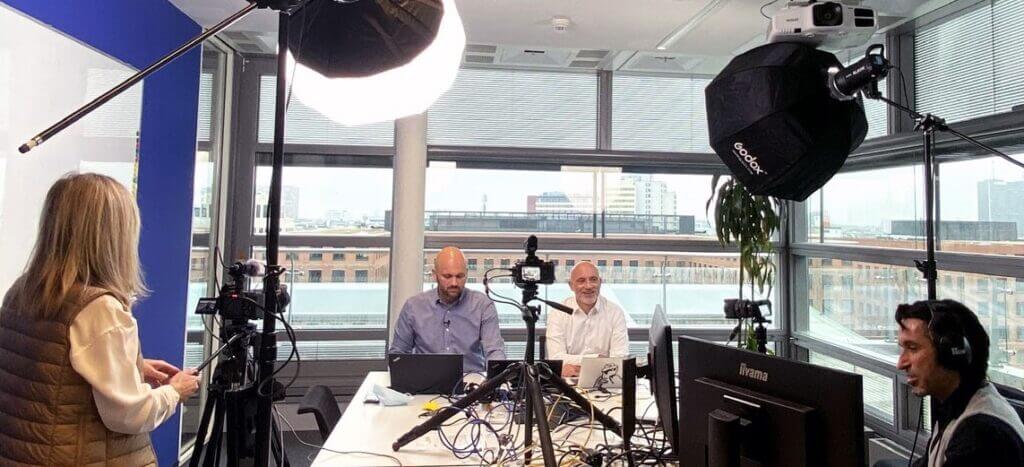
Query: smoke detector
(560, 23)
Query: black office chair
(319, 401)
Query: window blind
(516, 108)
(659, 113)
(970, 65)
(307, 126)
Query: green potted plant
(749, 221)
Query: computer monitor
(739, 407)
(663, 376)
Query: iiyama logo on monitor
(747, 159)
(752, 373)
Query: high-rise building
(999, 200)
(640, 194)
(557, 201)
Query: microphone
(251, 268)
(845, 83)
(447, 323)
(556, 305)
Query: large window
(353, 295)
(878, 388)
(575, 201)
(882, 208)
(327, 201)
(982, 207)
(691, 288)
(851, 303)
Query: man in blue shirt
(450, 318)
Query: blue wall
(138, 32)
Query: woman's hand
(185, 382)
(157, 372)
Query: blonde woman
(74, 388)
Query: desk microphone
(556, 305)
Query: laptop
(495, 367)
(600, 373)
(425, 373)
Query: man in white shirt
(596, 328)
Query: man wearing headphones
(944, 351)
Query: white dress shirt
(105, 351)
(600, 333)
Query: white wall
(45, 75)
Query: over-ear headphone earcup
(953, 351)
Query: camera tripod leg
(528, 415)
(216, 436)
(536, 400)
(277, 445)
(204, 426)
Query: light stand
(267, 349)
(530, 373)
(928, 124)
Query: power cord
(920, 422)
(320, 447)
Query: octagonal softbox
(773, 122)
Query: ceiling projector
(830, 25)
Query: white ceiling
(629, 29)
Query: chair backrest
(1015, 397)
(319, 400)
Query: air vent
(481, 49)
(486, 59)
(584, 64)
(535, 57)
(662, 62)
(592, 54)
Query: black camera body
(233, 302)
(532, 270)
(746, 309)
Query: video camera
(234, 302)
(746, 309)
(532, 270)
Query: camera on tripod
(737, 308)
(532, 270)
(234, 302)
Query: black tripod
(530, 374)
(230, 404)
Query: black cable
(766, 5)
(920, 421)
(293, 355)
(321, 447)
(308, 19)
(903, 84)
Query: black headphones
(953, 351)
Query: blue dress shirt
(469, 326)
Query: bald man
(596, 328)
(450, 318)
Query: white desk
(372, 428)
